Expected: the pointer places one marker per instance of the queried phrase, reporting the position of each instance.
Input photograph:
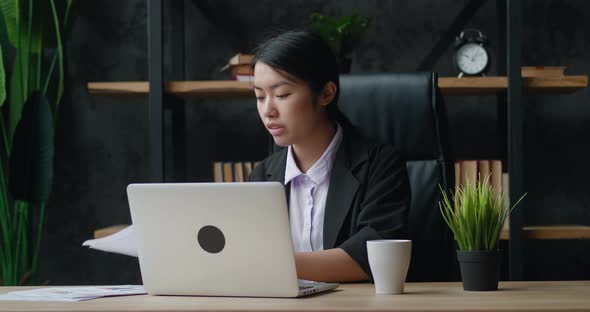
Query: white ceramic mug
(389, 260)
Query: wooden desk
(512, 296)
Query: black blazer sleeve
(257, 173)
(382, 211)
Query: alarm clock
(471, 54)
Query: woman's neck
(308, 153)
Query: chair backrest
(407, 111)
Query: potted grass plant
(476, 214)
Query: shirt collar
(320, 171)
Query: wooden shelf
(109, 230)
(495, 84)
(189, 89)
(553, 232)
(232, 88)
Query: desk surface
(512, 296)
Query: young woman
(342, 190)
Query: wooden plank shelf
(100, 233)
(553, 232)
(494, 85)
(233, 88)
(189, 89)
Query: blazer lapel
(343, 184)
(341, 192)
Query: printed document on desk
(123, 242)
(72, 294)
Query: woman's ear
(328, 93)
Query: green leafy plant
(342, 34)
(476, 214)
(29, 103)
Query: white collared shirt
(307, 202)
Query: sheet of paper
(72, 294)
(123, 242)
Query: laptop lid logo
(211, 239)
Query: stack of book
(471, 171)
(240, 67)
(233, 171)
(543, 71)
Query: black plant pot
(480, 270)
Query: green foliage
(23, 31)
(475, 215)
(2, 79)
(342, 34)
(33, 30)
(31, 157)
(9, 10)
(18, 88)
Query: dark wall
(102, 141)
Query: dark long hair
(305, 56)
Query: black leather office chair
(407, 110)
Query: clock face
(471, 58)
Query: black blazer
(368, 197)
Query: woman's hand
(331, 265)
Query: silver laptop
(216, 239)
